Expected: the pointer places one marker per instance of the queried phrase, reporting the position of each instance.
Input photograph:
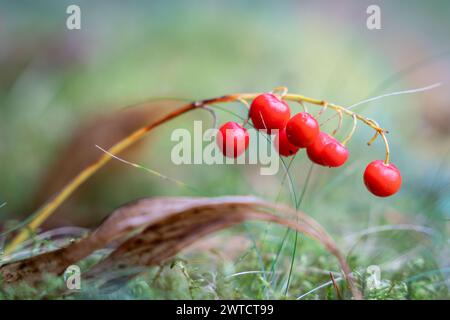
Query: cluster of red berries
(270, 113)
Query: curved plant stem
(350, 135)
(49, 207)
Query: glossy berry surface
(383, 180)
(302, 129)
(314, 151)
(268, 112)
(283, 146)
(232, 139)
(334, 154)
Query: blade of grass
(395, 93)
(294, 250)
(154, 172)
(294, 200)
(266, 229)
(248, 233)
(297, 205)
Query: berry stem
(282, 91)
(337, 108)
(375, 136)
(323, 109)
(301, 99)
(339, 123)
(350, 135)
(386, 160)
(305, 109)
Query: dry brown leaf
(79, 152)
(162, 227)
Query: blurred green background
(52, 79)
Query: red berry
(383, 180)
(314, 151)
(283, 146)
(302, 129)
(268, 112)
(334, 154)
(232, 139)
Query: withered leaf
(79, 152)
(149, 231)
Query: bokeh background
(54, 80)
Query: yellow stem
(375, 136)
(387, 159)
(49, 207)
